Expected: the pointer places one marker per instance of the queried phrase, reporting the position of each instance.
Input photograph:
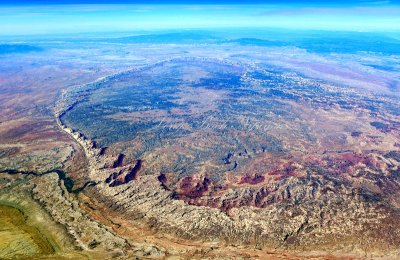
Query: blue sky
(20, 17)
(314, 2)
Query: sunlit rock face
(159, 149)
(208, 128)
(295, 156)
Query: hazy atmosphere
(18, 18)
(199, 130)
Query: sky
(21, 17)
(318, 2)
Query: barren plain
(230, 148)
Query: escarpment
(213, 179)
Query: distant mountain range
(327, 41)
(17, 48)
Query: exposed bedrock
(292, 211)
(340, 200)
(295, 212)
(310, 216)
(124, 176)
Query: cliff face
(338, 193)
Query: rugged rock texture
(287, 167)
(341, 201)
(83, 236)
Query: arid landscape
(199, 146)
